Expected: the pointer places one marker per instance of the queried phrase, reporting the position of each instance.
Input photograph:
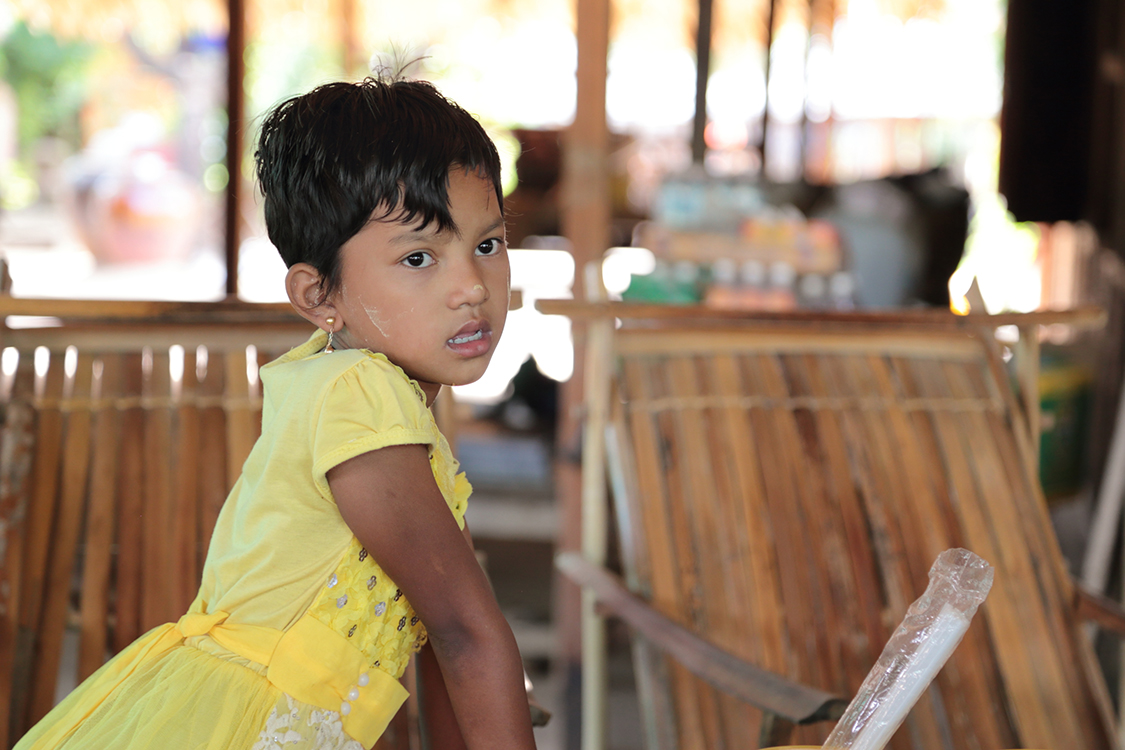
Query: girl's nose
(478, 294)
(471, 289)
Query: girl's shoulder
(309, 366)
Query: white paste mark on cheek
(373, 316)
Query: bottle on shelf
(781, 295)
(685, 282)
(841, 290)
(812, 291)
(722, 292)
(751, 291)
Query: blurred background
(759, 154)
(114, 125)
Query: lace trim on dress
(299, 726)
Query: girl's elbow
(456, 637)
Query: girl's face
(433, 302)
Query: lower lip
(473, 348)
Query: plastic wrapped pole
(931, 630)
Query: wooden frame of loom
(895, 436)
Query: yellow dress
(297, 639)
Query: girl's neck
(431, 391)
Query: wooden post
(595, 517)
(586, 220)
(702, 73)
(351, 47)
(586, 209)
(236, 101)
(766, 105)
(1027, 371)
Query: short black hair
(329, 159)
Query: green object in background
(1064, 406)
(48, 78)
(660, 289)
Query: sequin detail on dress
(371, 612)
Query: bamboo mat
(785, 496)
(107, 519)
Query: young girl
(343, 547)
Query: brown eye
(490, 247)
(420, 259)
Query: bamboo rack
(783, 485)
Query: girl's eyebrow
(499, 223)
(431, 231)
(414, 235)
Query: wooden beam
(702, 73)
(1086, 317)
(151, 311)
(586, 207)
(349, 29)
(747, 682)
(586, 217)
(154, 312)
(770, 17)
(236, 106)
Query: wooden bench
(781, 486)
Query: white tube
(927, 637)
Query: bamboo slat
(839, 610)
(958, 693)
(41, 510)
(213, 472)
(40, 519)
(185, 484)
(666, 591)
(703, 574)
(63, 547)
(654, 697)
(854, 557)
(157, 582)
(130, 508)
(100, 531)
(16, 450)
(789, 491)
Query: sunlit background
(113, 130)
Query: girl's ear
(306, 294)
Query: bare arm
(438, 716)
(390, 501)
(437, 710)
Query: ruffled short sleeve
(369, 406)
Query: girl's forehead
(469, 197)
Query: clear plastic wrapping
(931, 630)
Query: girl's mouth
(466, 339)
(473, 340)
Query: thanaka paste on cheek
(372, 315)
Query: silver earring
(331, 322)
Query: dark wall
(1045, 148)
(1106, 199)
